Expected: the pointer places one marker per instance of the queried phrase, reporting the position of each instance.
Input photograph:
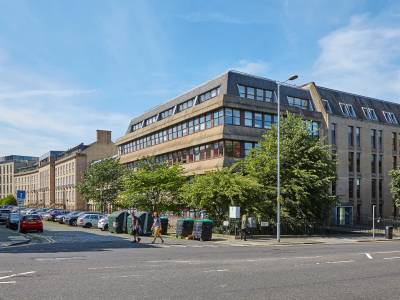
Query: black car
(71, 219)
(4, 213)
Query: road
(88, 264)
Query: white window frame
(390, 117)
(348, 110)
(328, 106)
(370, 113)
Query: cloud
(41, 113)
(362, 57)
(252, 67)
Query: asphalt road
(106, 266)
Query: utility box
(389, 232)
(202, 230)
(184, 227)
(118, 222)
(164, 225)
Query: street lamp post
(278, 161)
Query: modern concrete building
(70, 167)
(218, 122)
(8, 166)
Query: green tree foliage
(152, 187)
(307, 170)
(8, 200)
(395, 186)
(217, 190)
(102, 182)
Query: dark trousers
(243, 234)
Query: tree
(307, 170)
(102, 182)
(8, 200)
(152, 187)
(215, 191)
(395, 186)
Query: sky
(69, 67)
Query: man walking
(156, 228)
(243, 231)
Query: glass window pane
(250, 92)
(260, 95)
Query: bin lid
(205, 221)
(164, 218)
(117, 213)
(186, 219)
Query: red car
(31, 223)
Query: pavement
(10, 237)
(73, 263)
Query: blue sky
(69, 67)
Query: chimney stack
(103, 136)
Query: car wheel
(106, 227)
(73, 223)
(88, 225)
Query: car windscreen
(31, 217)
(7, 211)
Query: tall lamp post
(278, 162)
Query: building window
(136, 126)
(247, 148)
(380, 163)
(333, 134)
(255, 93)
(208, 95)
(348, 110)
(380, 189)
(373, 188)
(380, 140)
(300, 103)
(167, 113)
(185, 105)
(373, 163)
(390, 117)
(358, 137)
(351, 188)
(350, 136)
(232, 116)
(269, 120)
(358, 188)
(373, 138)
(327, 105)
(334, 187)
(370, 113)
(150, 120)
(394, 141)
(351, 162)
(358, 162)
(248, 118)
(258, 123)
(394, 162)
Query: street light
(278, 163)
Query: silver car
(89, 220)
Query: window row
(255, 93)
(226, 116)
(65, 169)
(356, 183)
(180, 107)
(235, 149)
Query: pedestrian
(156, 228)
(135, 229)
(243, 231)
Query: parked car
(52, 216)
(89, 220)
(12, 221)
(60, 217)
(4, 213)
(103, 223)
(31, 223)
(72, 219)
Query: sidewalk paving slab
(10, 237)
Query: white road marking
(220, 270)
(8, 282)
(110, 267)
(122, 276)
(385, 252)
(5, 272)
(396, 257)
(339, 262)
(59, 258)
(368, 255)
(180, 246)
(17, 274)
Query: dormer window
(300, 103)
(327, 105)
(348, 110)
(253, 93)
(390, 117)
(151, 120)
(370, 113)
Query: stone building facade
(27, 179)
(219, 122)
(69, 169)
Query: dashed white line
(395, 257)
(5, 272)
(219, 270)
(339, 262)
(368, 255)
(9, 282)
(17, 274)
